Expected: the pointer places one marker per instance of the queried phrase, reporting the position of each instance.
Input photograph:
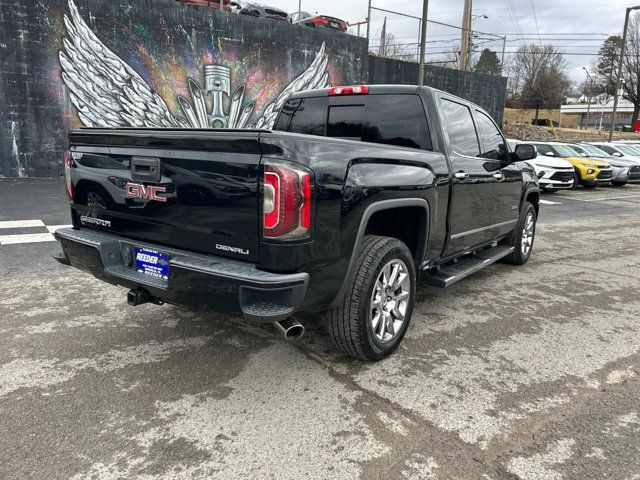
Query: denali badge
(94, 221)
(227, 248)
(147, 192)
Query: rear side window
(303, 115)
(345, 121)
(462, 132)
(397, 119)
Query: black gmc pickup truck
(356, 193)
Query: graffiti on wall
(108, 92)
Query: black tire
(618, 184)
(349, 323)
(518, 257)
(576, 179)
(589, 186)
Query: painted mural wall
(160, 63)
(154, 63)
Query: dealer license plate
(152, 263)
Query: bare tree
(391, 47)
(538, 78)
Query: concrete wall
(485, 90)
(145, 63)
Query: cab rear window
(395, 119)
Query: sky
(577, 28)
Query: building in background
(597, 116)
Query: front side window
(462, 133)
(492, 141)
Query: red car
(318, 21)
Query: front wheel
(523, 236)
(375, 311)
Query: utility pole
(368, 19)
(466, 35)
(620, 70)
(423, 41)
(504, 47)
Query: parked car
(623, 169)
(618, 150)
(589, 172)
(256, 10)
(318, 21)
(553, 173)
(355, 194)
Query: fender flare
(368, 213)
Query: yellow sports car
(589, 171)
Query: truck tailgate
(189, 189)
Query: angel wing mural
(107, 92)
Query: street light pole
(620, 69)
(589, 95)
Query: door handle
(498, 176)
(460, 175)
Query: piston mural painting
(107, 92)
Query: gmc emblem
(146, 192)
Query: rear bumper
(195, 280)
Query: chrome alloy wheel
(390, 300)
(527, 234)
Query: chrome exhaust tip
(290, 328)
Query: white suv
(553, 173)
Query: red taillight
(67, 176)
(322, 20)
(350, 90)
(287, 202)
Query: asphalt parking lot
(517, 372)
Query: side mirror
(616, 154)
(550, 154)
(525, 151)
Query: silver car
(624, 156)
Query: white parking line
(26, 238)
(549, 202)
(21, 223)
(598, 199)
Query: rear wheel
(375, 311)
(523, 236)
